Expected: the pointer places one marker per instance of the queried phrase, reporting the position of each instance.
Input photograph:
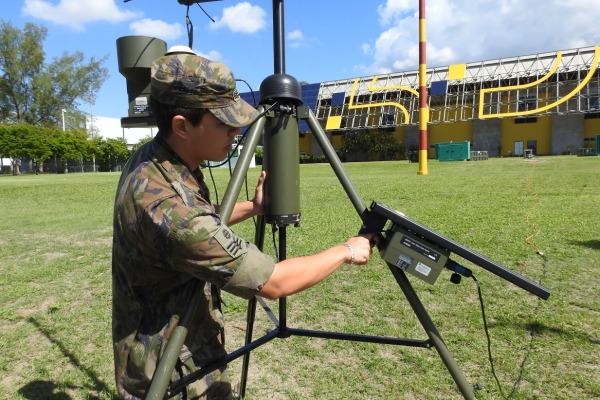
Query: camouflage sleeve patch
(251, 275)
(232, 244)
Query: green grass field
(55, 286)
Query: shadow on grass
(46, 390)
(41, 389)
(543, 329)
(592, 244)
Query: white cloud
(76, 13)
(213, 55)
(243, 18)
(393, 8)
(296, 39)
(465, 30)
(157, 28)
(296, 34)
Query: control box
(414, 254)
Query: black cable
(190, 28)
(241, 141)
(212, 178)
(228, 159)
(251, 91)
(205, 13)
(273, 230)
(189, 25)
(533, 333)
(242, 138)
(487, 334)
(254, 103)
(254, 221)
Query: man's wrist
(257, 208)
(351, 250)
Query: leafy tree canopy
(33, 91)
(33, 142)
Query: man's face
(211, 140)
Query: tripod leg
(250, 315)
(164, 370)
(239, 172)
(432, 332)
(283, 328)
(409, 292)
(259, 238)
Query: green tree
(142, 142)
(95, 150)
(35, 140)
(34, 92)
(112, 152)
(21, 58)
(357, 145)
(39, 144)
(68, 145)
(386, 145)
(12, 145)
(81, 146)
(23, 141)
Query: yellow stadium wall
(450, 132)
(398, 134)
(305, 141)
(541, 131)
(337, 141)
(591, 128)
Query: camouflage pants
(213, 386)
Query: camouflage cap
(189, 80)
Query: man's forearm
(242, 211)
(296, 274)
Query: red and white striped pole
(423, 109)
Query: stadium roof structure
(558, 82)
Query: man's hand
(360, 248)
(258, 200)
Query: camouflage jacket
(166, 236)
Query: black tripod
(281, 104)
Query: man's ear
(179, 126)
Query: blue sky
(325, 39)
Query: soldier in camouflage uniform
(168, 234)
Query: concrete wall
(411, 137)
(567, 131)
(486, 136)
(315, 147)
